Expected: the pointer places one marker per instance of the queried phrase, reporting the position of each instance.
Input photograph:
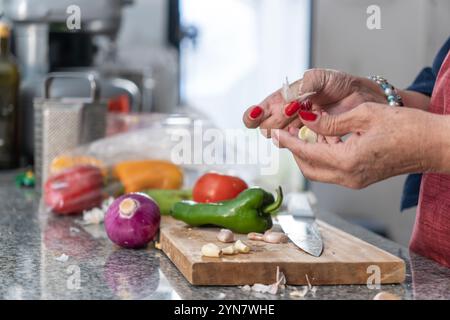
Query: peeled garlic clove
(229, 250)
(255, 236)
(307, 135)
(225, 235)
(275, 237)
(211, 250)
(241, 247)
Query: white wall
(412, 32)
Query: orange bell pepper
(136, 176)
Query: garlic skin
(225, 236)
(211, 250)
(287, 93)
(241, 247)
(255, 236)
(274, 288)
(305, 96)
(383, 295)
(291, 92)
(275, 237)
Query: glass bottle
(9, 86)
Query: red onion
(132, 220)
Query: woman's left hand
(384, 142)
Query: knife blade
(298, 221)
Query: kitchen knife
(298, 221)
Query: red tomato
(214, 187)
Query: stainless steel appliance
(63, 123)
(44, 42)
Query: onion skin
(137, 229)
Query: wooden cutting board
(345, 259)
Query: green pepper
(250, 211)
(167, 198)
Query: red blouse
(431, 234)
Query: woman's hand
(384, 142)
(336, 92)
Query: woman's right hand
(336, 92)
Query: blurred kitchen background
(214, 59)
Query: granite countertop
(30, 242)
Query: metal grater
(62, 124)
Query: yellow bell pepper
(136, 176)
(64, 162)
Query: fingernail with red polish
(307, 116)
(292, 108)
(256, 112)
(306, 105)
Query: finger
(293, 131)
(291, 109)
(330, 85)
(285, 139)
(335, 125)
(277, 133)
(272, 111)
(319, 174)
(321, 139)
(277, 120)
(331, 139)
(296, 123)
(277, 114)
(253, 116)
(314, 80)
(300, 148)
(317, 156)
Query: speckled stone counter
(31, 241)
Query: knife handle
(299, 205)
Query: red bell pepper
(74, 190)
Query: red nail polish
(292, 108)
(256, 112)
(306, 105)
(307, 116)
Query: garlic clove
(225, 236)
(230, 250)
(255, 236)
(241, 247)
(211, 250)
(275, 237)
(307, 135)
